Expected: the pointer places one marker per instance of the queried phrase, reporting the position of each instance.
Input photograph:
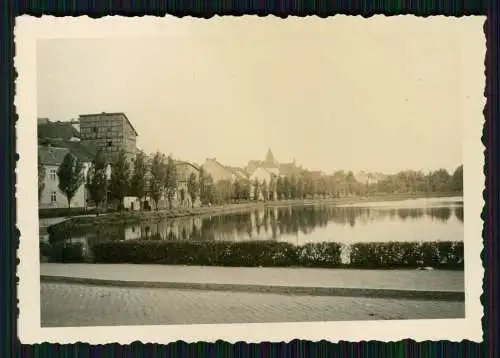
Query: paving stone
(80, 305)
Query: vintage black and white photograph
(250, 171)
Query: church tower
(270, 157)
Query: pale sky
(385, 94)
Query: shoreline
(141, 216)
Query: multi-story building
(51, 158)
(109, 132)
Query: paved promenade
(372, 283)
(84, 305)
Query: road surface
(80, 305)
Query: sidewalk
(447, 285)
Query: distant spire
(270, 156)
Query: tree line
(345, 184)
(156, 176)
(307, 185)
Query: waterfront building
(184, 170)
(51, 158)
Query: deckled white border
(29, 29)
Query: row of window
(97, 129)
(100, 123)
(102, 135)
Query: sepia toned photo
(255, 177)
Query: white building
(262, 176)
(51, 158)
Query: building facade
(184, 171)
(262, 176)
(271, 165)
(109, 132)
(51, 196)
(218, 171)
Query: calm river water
(429, 219)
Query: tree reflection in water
(270, 223)
(459, 213)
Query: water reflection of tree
(439, 213)
(412, 213)
(274, 221)
(459, 213)
(292, 220)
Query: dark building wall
(108, 132)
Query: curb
(289, 290)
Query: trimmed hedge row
(63, 252)
(443, 255)
(438, 254)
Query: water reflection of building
(178, 229)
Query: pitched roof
(83, 152)
(60, 130)
(252, 165)
(238, 171)
(222, 167)
(112, 114)
(180, 162)
(50, 155)
(213, 160)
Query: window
(53, 197)
(110, 143)
(52, 174)
(94, 129)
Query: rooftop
(111, 114)
(59, 130)
(50, 155)
(181, 162)
(51, 148)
